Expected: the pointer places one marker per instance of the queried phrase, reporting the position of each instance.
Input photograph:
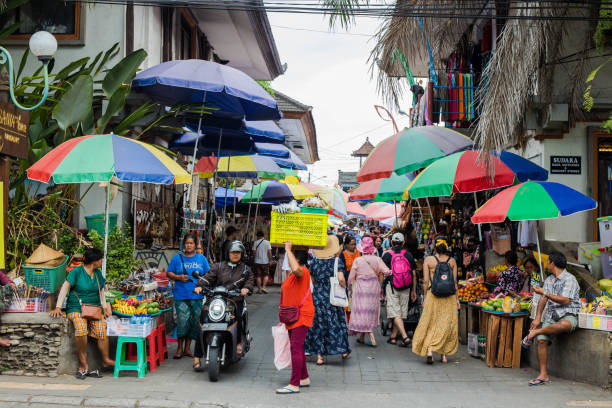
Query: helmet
(237, 246)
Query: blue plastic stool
(121, 364)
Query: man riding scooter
(232, 274)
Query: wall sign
(14, 124)
(565, 165)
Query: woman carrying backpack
(438, 327)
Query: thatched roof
(365, 149)
(518, 69)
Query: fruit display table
(504, 334)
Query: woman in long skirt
(438, 329)
(365, 278)
(329, 333)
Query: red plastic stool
(152, 350)
(162, 345)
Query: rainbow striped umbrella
(386, 189)
(253, 166)
(97, 158)
(275, 192)
(411, 149)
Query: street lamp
(43, 45)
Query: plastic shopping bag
(282, 347)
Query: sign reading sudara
(14, 125)
(565, 164)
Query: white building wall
(577, 227)
(93, 203)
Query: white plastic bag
(282, 347)
(337, 294)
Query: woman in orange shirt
(295, 291)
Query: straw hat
(332, 247)
(43, 256)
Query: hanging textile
(461, 99)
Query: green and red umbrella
(533, 200)
(385, 189)
(467, 172)
(411, 149)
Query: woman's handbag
(291, 314)
(91, 312)
(337, 294)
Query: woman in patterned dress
(366, 274)
(511, 280)
(329, 334)
(438, 328)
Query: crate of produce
(129, 327)
(303, 229)
(594, 321)
(27, 306)
(47, 278)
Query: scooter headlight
(216, 310)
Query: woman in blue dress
(329, 333)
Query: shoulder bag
(337, 294)
(91, 312)
(291, 314)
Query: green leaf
(70, 68)
(13, 4)
(75, 104)
(10, 29)
(110, 53)
(596, 70)
(88, 124)
(142, 111)
(123, 72)
(115, 104)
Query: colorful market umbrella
(253, 166)
(291, 162)
(226, 197)
(533, 200)
(411, 149)
(291, 176)
(99, 158)
(332, 196)
(276, 192)
(465, 172)
(231, 92)
(385, 189)
(353, 208)
(388, 211)
(371, 208)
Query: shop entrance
(602, 179)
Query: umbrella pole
(433, 222)
(195, 149)
(229, 159)
(106, 211)
(235, 199)
(246, 232)
(539, 257)
(479, 226)
(395, 222)
(214, 201)
(256, 210)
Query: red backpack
(401, 270)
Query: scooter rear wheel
(214, 364)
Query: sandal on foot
(429, 360)
(443, 360)
(526, 343)
(94, 374)
(286, 390)
(345, 356)
(320, 361)
(360, 341)
(81, 375)
(538, 381)
(405, 342)
(392, 340)
(197, 367)
(177, 356)
(304, 384)
(189, 354)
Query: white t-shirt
(261, 248)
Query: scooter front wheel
(214, 364)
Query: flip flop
(197, 367)
(320, 362)
(94, 374)
(538, 381)
(177, 356)
(430, 360)
(81, 375)
(286, 390)
(360, 341)
(526, 343)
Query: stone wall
(41, 346)
(35, 344)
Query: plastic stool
(121, 364)
(151, 351)
(162, 345)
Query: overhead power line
(509, 9)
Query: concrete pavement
(382, 376)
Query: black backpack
(443, 282)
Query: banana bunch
(123, 307)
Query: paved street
(384, 376)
